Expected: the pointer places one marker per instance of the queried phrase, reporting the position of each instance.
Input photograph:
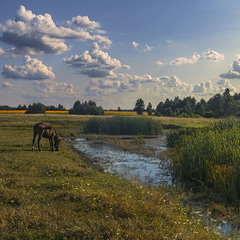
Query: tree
(201, 107)
(86, 108)
(149, 109)
(216, 105)
(139, 106)
(61, 107)
(36, 108)
(159, 109)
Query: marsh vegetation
(210, 156)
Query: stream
(150, 170)
(138, 167)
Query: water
(149, 170)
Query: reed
(124, 126)
(211, 155)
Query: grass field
(45, 195)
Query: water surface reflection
(151, 170)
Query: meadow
(45, 195)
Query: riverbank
(58, 195)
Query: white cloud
(135, 44)
(203, 87)
(38, 34)
(140, 48)
(160, 63)
(147, 48)
(213, 56)
(6, 84)
(225, 83)
(33, 69)
(95, 63)
(172, 81)
(182, 60)
(54, 88)
(234, 72)
(1, 52)
(83, 22)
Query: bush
(124, 126)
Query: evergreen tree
(139, 106)
(149, 109)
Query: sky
(114, 52)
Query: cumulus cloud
(54, 88)
(182, 60)
(94, 63)
(172, 81)
(38, 34)
(6, 84)
(234, 72)
(33, 69)
(83, 22)
(225, 83)
(213, 56)
(203, 87)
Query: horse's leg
(33, 141)
(51, 143)
(39, 138)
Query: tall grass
(124, 126)
(211, 155)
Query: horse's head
(57, 143)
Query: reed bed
(211, 156)
(124, 126)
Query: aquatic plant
(211, 155)
(124, 126)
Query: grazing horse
(46, 131)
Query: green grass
(59, 196)
(119, 125)
(210, 155)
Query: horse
(46, 131)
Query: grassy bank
(58, 196)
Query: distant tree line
(220, 105)
(85, 108)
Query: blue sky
(115, 52)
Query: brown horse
(46, 131)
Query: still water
(150, 170)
